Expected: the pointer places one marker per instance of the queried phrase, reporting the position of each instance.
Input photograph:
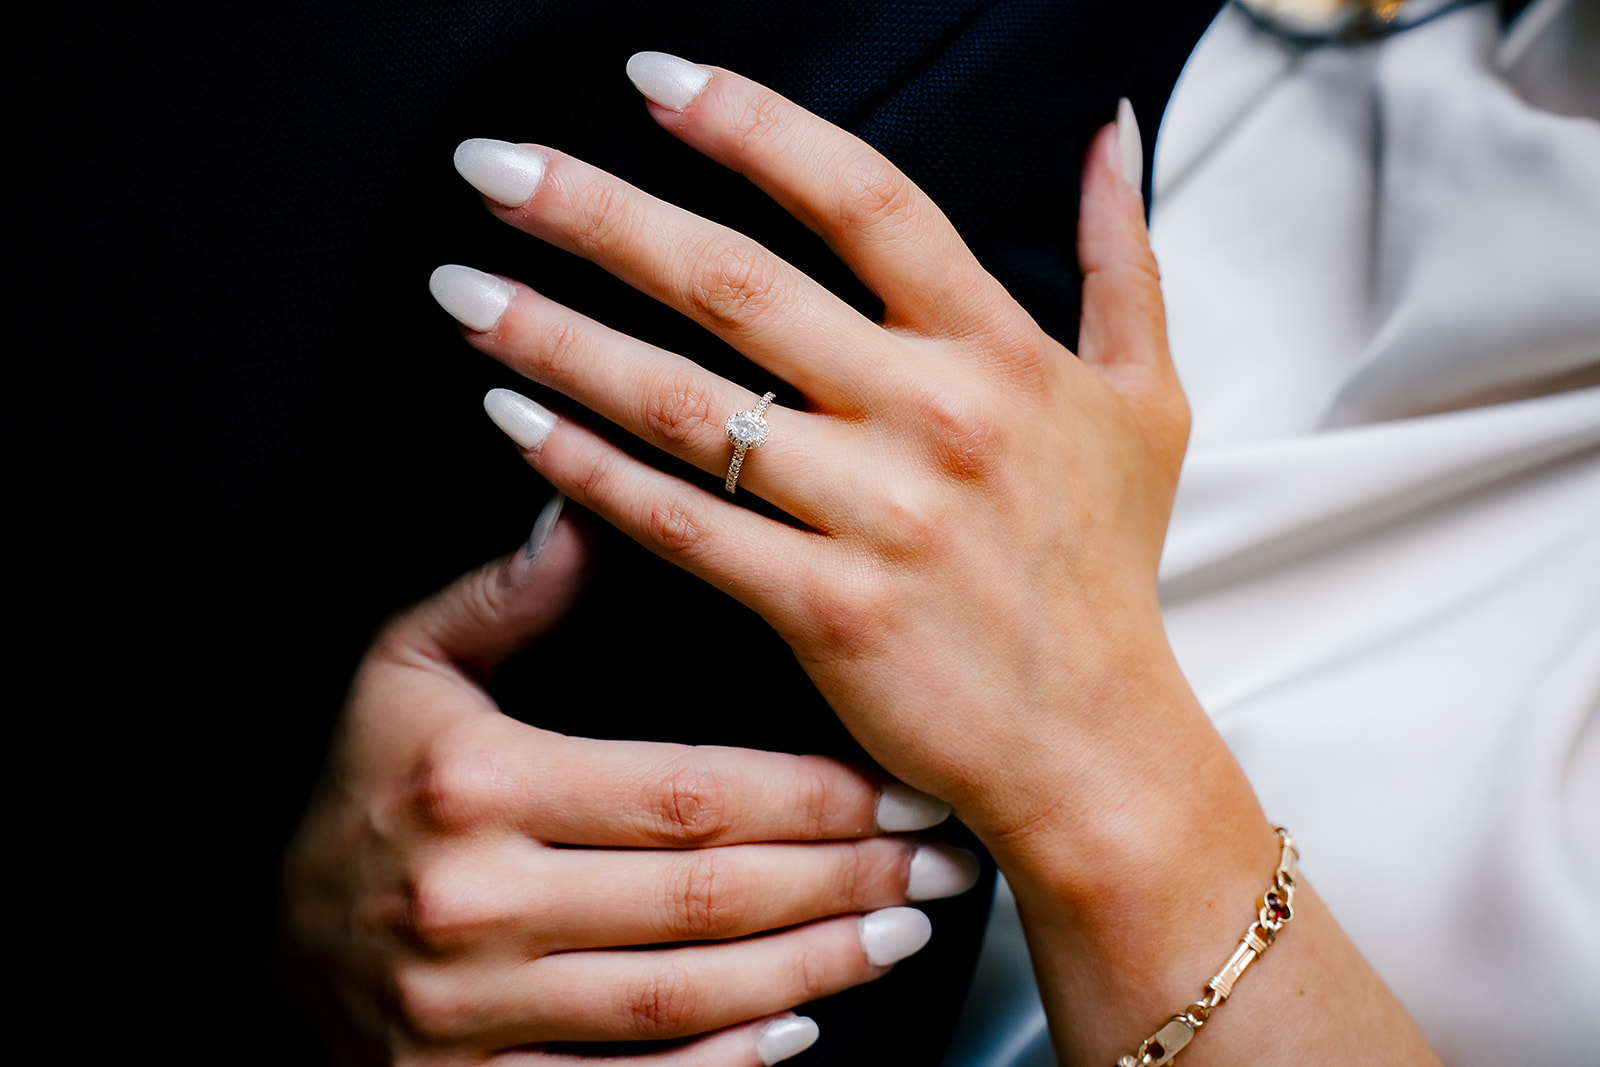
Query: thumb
(484, 617)
(1123, 333)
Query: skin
(978, 604)
(436, 911)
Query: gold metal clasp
(1167, 1042)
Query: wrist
(1118, 757)
(1140, 871)
(1140, 862)
(1131, 927)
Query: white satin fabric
(1382, 268)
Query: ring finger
(660, 397)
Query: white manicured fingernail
(1130, 146)
(783, 1038)
(667, 80)
(477, 300)
(545, 525)
(504, 172)
(939, 871)
(525, 422)
(902, 809)
(892, 934)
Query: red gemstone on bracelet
(1278, 906)
(1156, 1049)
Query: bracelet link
(1162, 1046)
(1167, 1042)
(1243, 956)
(1272, 915)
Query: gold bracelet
(1273, 914)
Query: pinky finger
(732, 547)
(758, 1044)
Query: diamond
(747, 429)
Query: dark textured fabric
(249, 433)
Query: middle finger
(772, 313)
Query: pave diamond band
(745, 430)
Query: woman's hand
(460, 877)
(973, 586)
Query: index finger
(892, 236)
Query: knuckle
(603, 217)
(733, 282)
(434, 915)
(1014, 345)
(679, 410)
(759, 122)
(456, 790)
(872, 875)
(449, 905)
(690, 805)
(708, 897)
(432, 1005)
(851, 618)
(815, 802)
(914, 525)
(563, 353)
(674, 527)
(812, 973)
(965, 439)
(854, 875)
(663, 1004)
(600, 482)
(876, 198)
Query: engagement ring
(745, 430)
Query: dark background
(246, 432)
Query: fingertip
(555, 551)
(902, 809)
(543, 526)
(1130, 147)
(666, 80)
(1111, 224)
(473, 298)
(507, 173)
(941, 871)
(525, 421)
(784, 1038)
(1114, 167)
(891, 934)
(1124, 319)
(487, 615)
